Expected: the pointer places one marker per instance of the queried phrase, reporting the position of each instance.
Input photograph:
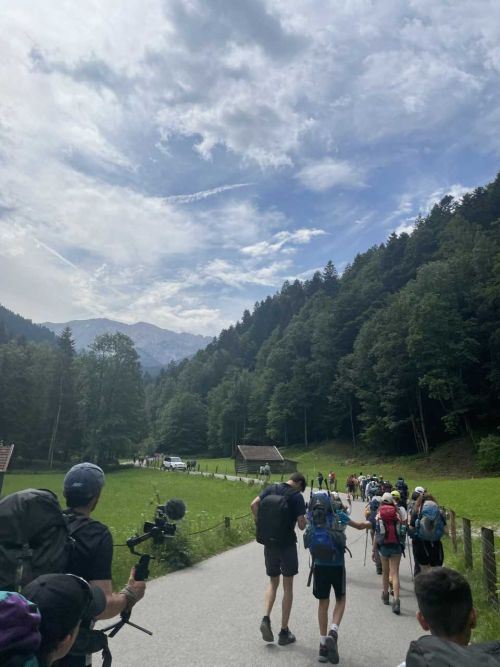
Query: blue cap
(84, 481)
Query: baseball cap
(84, 481)
(19, 624)
(419, 489)
(63, 601)
(396, 494)
(387, 498)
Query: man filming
(93, 553)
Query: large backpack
(275, 524)
(388, 524)
(325, 535)
(432, 650)
(429, 525)
(371, 510)
(35, 537)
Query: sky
(175, 161)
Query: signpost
(5, 454)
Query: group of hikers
(393, 519)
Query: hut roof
(260, 453)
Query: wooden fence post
(489, 564)
(467, 544)
(227, 522)
(453, 530)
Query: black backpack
(431, 650)
(275, 525)
(35, 537)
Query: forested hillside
(15, 326)
(398, 352)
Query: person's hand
(134, 590)
(374, 556)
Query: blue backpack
(325, 535)
(429, 525)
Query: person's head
(19, 626)
(82, 485)
(387, 499)
(63, 601)
(419, 490)
(396, 495)
(423, 498)
(298, 481)
(445, 605)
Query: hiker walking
(388, 543)
(320, 479)
(325, 538)
(276, 510)
(427, 527)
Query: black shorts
(428, 553)
(327, 576)
(281, 560)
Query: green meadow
(130, 497)
(447, 473)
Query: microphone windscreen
(175, 509)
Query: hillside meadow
(448, 473)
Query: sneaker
(265, 628)
(285, 637)
(323, 653)
(379, 570)
(385, 597)
(396, 607)
(331, 645)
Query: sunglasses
(89, 596)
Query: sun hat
(83, 482)
(387, 498)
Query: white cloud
(204, 194)
(327, 174)
(280, 240)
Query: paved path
(210, 614)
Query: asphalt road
(210, 615)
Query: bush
(488, 454)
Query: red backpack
(388, 524)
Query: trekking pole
(409, 555)
(366, 548)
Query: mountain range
(157, 347)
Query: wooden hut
(249, 459)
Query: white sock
(335, 628)
(322, 640)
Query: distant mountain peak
(157, 347)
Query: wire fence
(477, 547)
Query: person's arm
(360, 525)
(125, 599)
(255, 506)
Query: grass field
(130, 498)
(448, 474)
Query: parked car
(173, 463)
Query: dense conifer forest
(399, 352)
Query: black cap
(83, 481)
(63, 601)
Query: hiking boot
(396, 607)
(331, 645)
(285, 637)
(265, 628)
(379, 570)
(385, 597)
(323, 653)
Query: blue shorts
(388, 550)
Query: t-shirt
(296, 503)
(340, 560)
(93, 553)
